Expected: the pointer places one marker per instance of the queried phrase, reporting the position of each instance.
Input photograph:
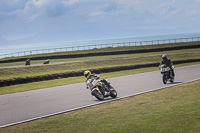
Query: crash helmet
(87, 73)
(164, 57)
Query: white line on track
(87, 106)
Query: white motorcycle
(101, 88)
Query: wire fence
(99, 46)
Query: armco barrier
(103, 53)
(80, 73)
(96, 46)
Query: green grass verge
(109, 49)
(189, 51)
(72, 80)
(170, 110)
(33, 71)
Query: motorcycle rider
(28, 62)
(168, 62)
(92, 76)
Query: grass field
(174, 109)
(109, 49)
(171, 110)
(72, 80)
(39, 62)
(97, 62)
(123, 60)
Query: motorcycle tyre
(98, 95)
(113, 93)
(164, 79)
(171, 80)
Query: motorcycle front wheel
(164, 78)
(98, 95)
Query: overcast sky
(67, 20)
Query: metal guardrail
(98, 46)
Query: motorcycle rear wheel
(171, 80)
(113, 93)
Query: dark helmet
(164, 57)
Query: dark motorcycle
(28, 63)
(101, 88)
(166, 74)
(47, 62)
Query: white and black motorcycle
(166, 73)
(101, 88)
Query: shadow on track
(176, 83)
(107, 99)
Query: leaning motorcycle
(101, 88)
(166, 74)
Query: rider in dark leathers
(168, 62)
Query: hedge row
(103, 53)
(80, 73)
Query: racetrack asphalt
(31, 105)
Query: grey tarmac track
(31, 105)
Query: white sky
(67, 20)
